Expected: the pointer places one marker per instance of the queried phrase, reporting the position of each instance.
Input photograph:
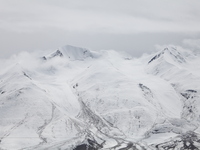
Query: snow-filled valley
(78, 99)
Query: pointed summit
(170, 54)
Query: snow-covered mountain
(78, 99)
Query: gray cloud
(132, 25)
(193, 44)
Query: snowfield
(78, 99)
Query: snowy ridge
(71, 52)
(76, 99)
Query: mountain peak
(169, 54)
(70, 52)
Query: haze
(134, 26)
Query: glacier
(78, 99)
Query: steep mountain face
(79, 99)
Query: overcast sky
(135, 26)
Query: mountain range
(78, 99)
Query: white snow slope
(78, 99)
